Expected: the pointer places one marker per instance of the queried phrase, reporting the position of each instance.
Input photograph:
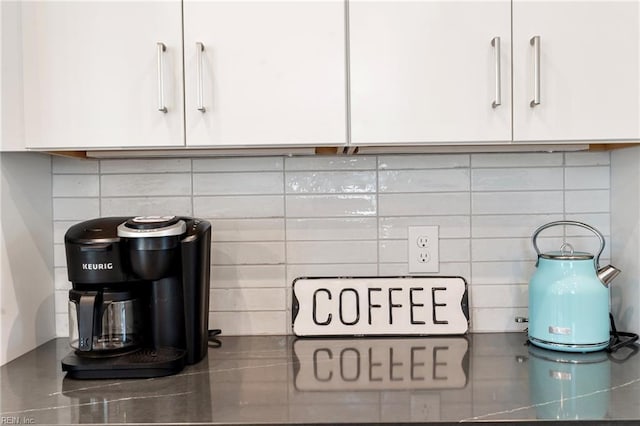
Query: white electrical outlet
(424, 249)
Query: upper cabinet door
(427, 71)
(96, 74)
(586, 54)
(265, 73)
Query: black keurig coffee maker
(139, 302)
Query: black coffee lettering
(412, 304)
(436, 305)
(342, 367)
(372, 305)
(414, 351)
(316, 364)
(342, 305)
(391, 304)
(315, 307)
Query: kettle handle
(596, 260)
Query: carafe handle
(86, 318)
(596, 259)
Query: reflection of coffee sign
(380, 306)
(381, 364)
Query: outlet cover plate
(424, 249)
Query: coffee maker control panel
(152, 226)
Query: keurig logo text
(96, 266)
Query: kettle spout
(606, 274)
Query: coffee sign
(380, 306)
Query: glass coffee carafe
(103, 322)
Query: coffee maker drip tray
(143, 363)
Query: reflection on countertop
(281, 379)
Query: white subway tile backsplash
(331, 205)
(237, 183)
(60, 227)
(249, 322)
(587, 158)
(61, 279)
(506, 249)
(242, 164)
(330, 270)
(518, 179)
(247, 253)
(247, 230)
(503, 272)
(247, 299)
(330, 182)
(600, 221)
(393, 251)
(150, 165)
(439, 180)
(461, 269)
(321, 229)
(247, 206)
(145, 206)
(516, 160)
(74, 165)
(329, 163)
(425, 204)
(62, 324)
(499, 296)
(411, 161)
(533, 202)
(59, 256)
(596, 177)
(75, 208)
(451, 250)
(587, 201)
(248, 276)
(75, 186)
(331, 252)
(517, 225)
(61, 300)
(145, 185)
(455, 250)
(448, 226)
(275, 219)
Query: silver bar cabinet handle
(199, 86)
(161, 49)
(535, 42)
(495, 42)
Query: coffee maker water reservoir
(139, 301)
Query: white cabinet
(11, 124)
(589, 75)
(105, 74)
(265, 73)
(92, 74)
(269, 73)
(425, 71)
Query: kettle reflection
(569, 386)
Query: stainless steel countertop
(284, 380)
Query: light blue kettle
(569, 297)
